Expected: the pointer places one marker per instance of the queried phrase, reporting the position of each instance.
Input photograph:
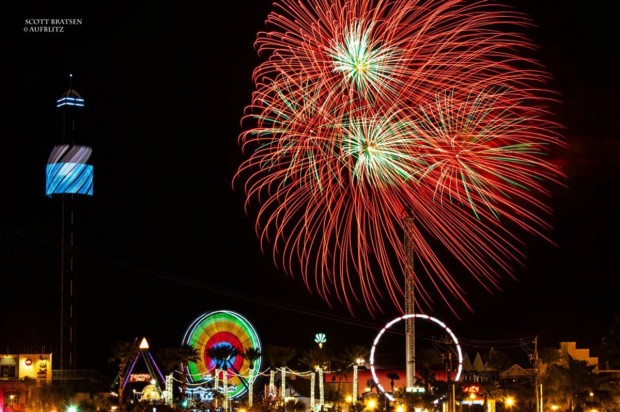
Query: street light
(358, 362)
(349, 402)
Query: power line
(175, 278)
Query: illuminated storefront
(17, 374)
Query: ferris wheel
(222, 330)
(453, 340)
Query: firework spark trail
(365, 112)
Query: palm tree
(252, 355)
(169, 359)
(498, 362)
(355, 355)
(50, 397)
(95, 402)
(372, 385)
(30, 384)
(123, 352)
(611, 345)
(428, 361)
(187, 354)
(316, 359)
(566, 382)
(341, 373)
(392, 377)
(278, 356)
(294, 405)
(548, 356)
(223, 355)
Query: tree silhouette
(611, 345)
(122, 353)
(427, 362)
(316, 359)
(278, 357)
(252, 355)
(187, 354)
(392, 376)
(565, 382)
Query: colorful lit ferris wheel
(222, 330)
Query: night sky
(165, 237)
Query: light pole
(320, 339)
(321, 387)
(358, 362)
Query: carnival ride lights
(223, 328)
(455, 342)
(143, 352)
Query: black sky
(165, 237)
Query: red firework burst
(368, 112)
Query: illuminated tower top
(68, 170)
(70, 98)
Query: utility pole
(447, 357)
(537, 383)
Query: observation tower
(68, 175)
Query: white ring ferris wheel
(455, 342)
